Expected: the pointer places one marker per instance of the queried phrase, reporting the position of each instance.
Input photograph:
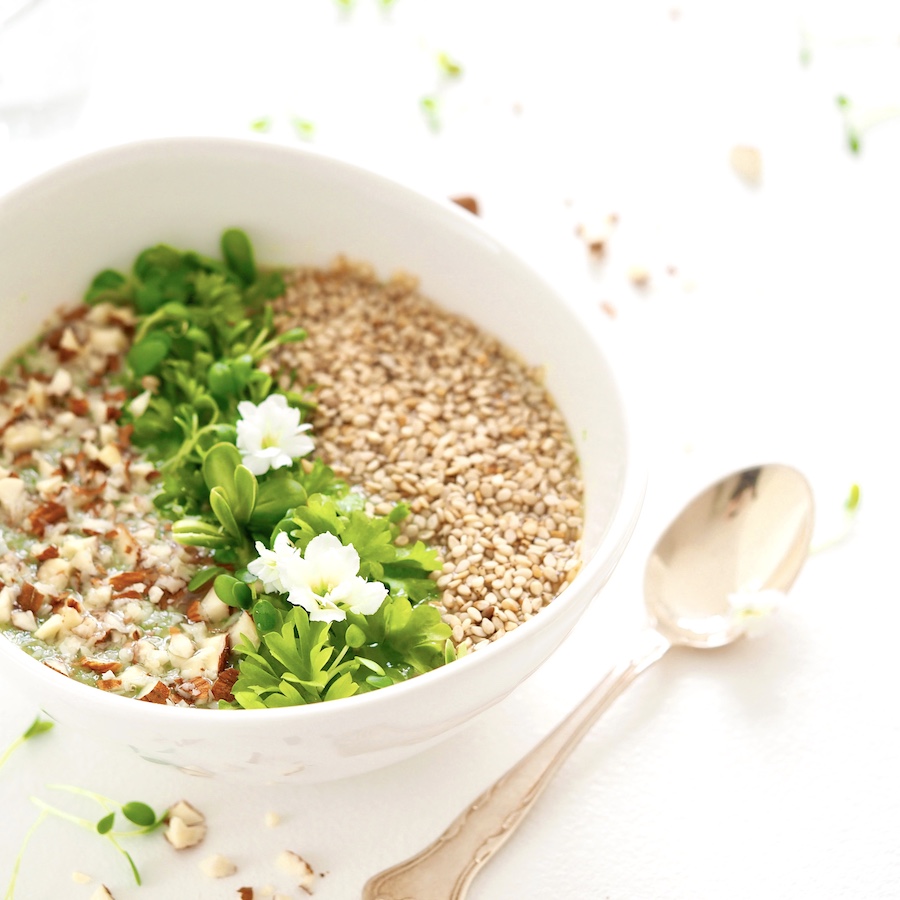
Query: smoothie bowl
(299, 470)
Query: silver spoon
(747, 533)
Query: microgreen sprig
(857, 121)
(850, 511)
(203, 327)
(38, 726)
(430, 104)
(137, 813)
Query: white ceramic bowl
(301, 207)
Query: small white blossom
(752, 609)
(270, 435)
(325, 580)
(271, 565)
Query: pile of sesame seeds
(416, 404)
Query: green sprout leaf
(238, 253)
(449, 66)
(204, 576)
(104, 826)
(139, 813)
(219, 465)
(431, 110)
(37, 727)
(234, 592)
(303, 128)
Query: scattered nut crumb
(639, 276)
(595, 239)
(217, 866)
(297, 867)
(81, 878)
(245, 893)
(186, 826)
(272, 819)
(467, 202)
(609, 309)
(102, 893)
(746, 163)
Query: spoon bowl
(746, 534)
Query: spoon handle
(444, 869)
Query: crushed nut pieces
(185, 826)
(91, 582)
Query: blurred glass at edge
(46, 62)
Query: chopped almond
(30, 599)
(22, 437)
(747, 164)
(245, 893)
(79, 406)
(49, 552)
(100, 665)
(218, 866)
(46, 514)
(221, 689)
(467, 202)
(639, 276)
(193, 613)
(187, 813)
(102, 893)
(297, 867)
(57, 665)
(125, 579)
(159, 693)
(186, 826)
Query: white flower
(325, 581)
(752, 609)
(270, 435)
(270, 564)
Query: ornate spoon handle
(444, 869)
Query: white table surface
(768, 332)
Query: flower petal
(330, 562)
(265, 568)
(360, 596)
(318, 608)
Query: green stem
(127, 855)
(11, 887)
(108, 804)
(8, 752)
(61, 814)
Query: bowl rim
(607, 553)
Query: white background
(768, 332)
